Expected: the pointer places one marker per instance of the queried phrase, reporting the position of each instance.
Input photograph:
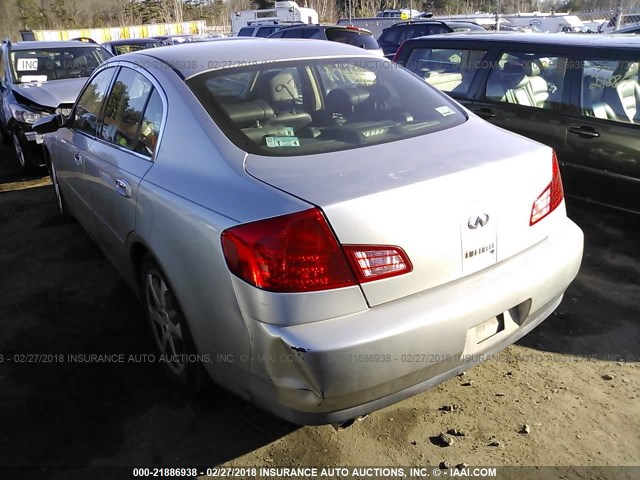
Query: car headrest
(248, 113)
(531, 68)
(278, 86)
(514, 75)
(626, 70)
(343, 99)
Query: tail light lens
(373, 262)
(299, 253)
(551, 197)
(291, 253)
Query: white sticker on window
(282, 141)
(33, 78)
(27, 64)
(445, 111)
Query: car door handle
(78, 159)
(583, 131)
(123, 188)
(484, 112)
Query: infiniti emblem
(478, 221)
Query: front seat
(538, 86)
(623, 93)
(280, 90)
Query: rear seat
(623, 95)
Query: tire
(62, 206)
(169, 330)
(21, 155)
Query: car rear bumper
(334, 370)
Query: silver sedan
(309, 225)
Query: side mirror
(48, 124)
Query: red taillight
(373, 262)
(551, 197)
(299, 253)
(291, 253)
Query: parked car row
(326, 192)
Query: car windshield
(352, 37)
(313, 106)
(43, 64)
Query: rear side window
(351, 37)
(299, 33)
(528, 79)
(449, 70)
(245, 32)
(287, 110)
(394, 36)
(611, 89)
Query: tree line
(16, 15)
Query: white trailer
(284, 12)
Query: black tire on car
(169, 330)
(21, 155)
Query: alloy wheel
(165, 321)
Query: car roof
(325, 26)
(560, 39)
(190, 59)
(29, 45)
(417, 21)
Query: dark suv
(36, 80)
(579, 94)
(393, 36)
(350, 35)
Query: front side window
(394, 36)
(611, 89)
(528, 79)
(450, 70)
(86, 116)
(43, 64)
(124, 110)
(293, 108)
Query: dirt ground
(574, 381)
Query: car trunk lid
(456, 201)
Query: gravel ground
(566, 395)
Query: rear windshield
(314, 106)
(134, 47)
(41, 65)
(352, 37)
